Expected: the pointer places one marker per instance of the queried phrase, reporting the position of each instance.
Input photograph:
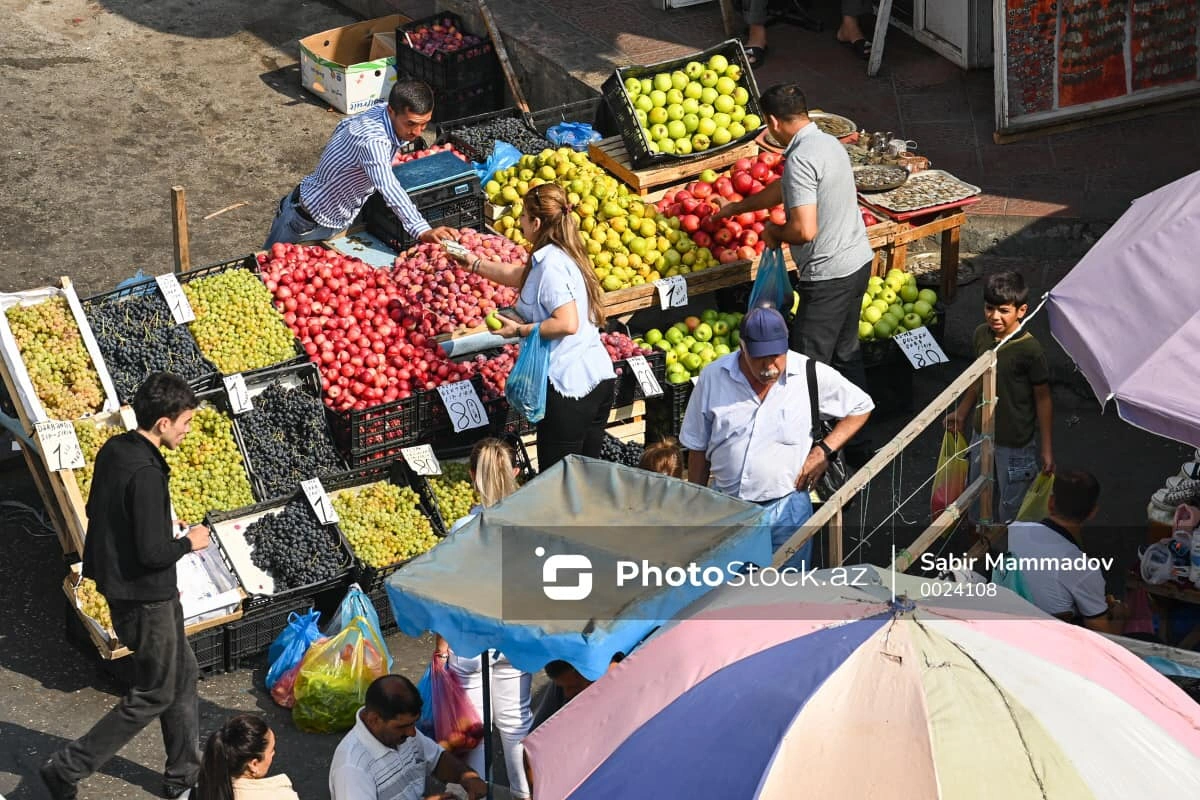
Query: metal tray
(870, 178)
(834, 124)
(915, 193)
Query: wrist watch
(824, 447)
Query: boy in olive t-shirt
(1023, 401)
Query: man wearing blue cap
(748, 425)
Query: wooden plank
(611, 155)
(836, 540)
(728, 18)
(912, 233)
(179, 225)
(940, 526)
(502, 53)
(987, 448)
(882, 19)
(949, 262)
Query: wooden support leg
(950, 238)
(899, 256)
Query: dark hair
(548, 204)
(665, 457)
(1005, 289)
(228, 750)
(1075, 494)
(162, 394)
(784, 101)
(411, 95)
(392, 695)
(558, 668)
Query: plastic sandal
(757, 56)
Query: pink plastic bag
(456, 723)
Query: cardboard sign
(239, 397)
(421, 459)
(920, 347)
(463, 403)
(181, 309)
(319, 500)
(645, 376)
(672, 292)
(60, 445)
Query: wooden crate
(611, 155)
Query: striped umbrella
(833, 691)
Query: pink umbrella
(1128, 315)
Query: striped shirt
(364, 769)
(356, 162)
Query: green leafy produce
(207, 471)
(237, 325)
(51, 346)
(383, 523)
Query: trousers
(511, 714)
(1014, 470)
(785, 516)
(755, 11)
(573, 425)
(292, 225)
(164, 688)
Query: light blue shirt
(356, 162)
(578, 362)
(755, 448)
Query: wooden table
(948, 225)
(610, 154)
(1164, 596)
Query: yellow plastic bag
(333, 678)
(1036, 505)
(951, 476)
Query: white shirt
(364, 769)
(756, 449)
(1056, 591)
(578, 362)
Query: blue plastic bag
(526, 387)
(503, 156)
(425, 689)
(357, 604)
(576, 135)
(291, 644)
(772, 286)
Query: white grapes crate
(26, 395)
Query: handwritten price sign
(421, 459)
(239, 397)
(60, 445)
(672, 292)
(463, 403)
(920, 347)
(181, 309)
(645, 376)
(319, 500)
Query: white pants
(510, 713)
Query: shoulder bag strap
(810, 370)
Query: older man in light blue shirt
(748, 425)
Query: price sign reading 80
(463, 403)
(672, 291)
(60, 445)
(421, 459)
(921, 348)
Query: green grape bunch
(453, 491)
(207, 471)
(383, 523)
(93, 604)
(52, 348)
(237, 325)
(91, 438)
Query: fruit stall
(342, 383)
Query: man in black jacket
(131, 553)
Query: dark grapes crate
(367, 577)
(473, 100)
(593, 111)
(627, 389)
(254, 632)
(665, 412)
(307, 377)
(210, 649)
(446, 130)
(256, 601)
(383, 609)
(622, 107)
(455, 70)
(460, 212)
(375, 434)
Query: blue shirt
(578, 362)
(756, 448)
(358, 161)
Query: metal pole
(487, 720)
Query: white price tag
(463, 403)
(672, 291)
(421, 460)
(645, 376)
(920, 347)
(128, 418)
(181, 309)
(60, 445)
(239, 397)
(319, 500)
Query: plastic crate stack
(465, 80)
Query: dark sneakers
(59, 789)
(174, 792)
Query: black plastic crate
(254, 632)
(465, 67)
(468, 101)
(217, 398)
(256, 601)
(449, 131)
(376, 433)
(307, 378)
(631, 132)
(665, 412)
(463, 212)
(627, 389)
(209, 647)
(594, 111)
(383, 608)
(368, 577)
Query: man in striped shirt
(356, 162)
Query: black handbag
(836, 471)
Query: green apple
(703, 332)
(718, 63)
(691, 106)
(683, 146)
(888, 295)
(733, 71)
(658, 98)
(709, 175)
(908, 307)
(675, 367)
(706, 126)
(737, 114)
(912, 321)
(653, 336)
(726, 86)
(871, 314)
(673, 335)
(693, 91)
(662, 81)
(928, 295)
(883, 329)
(923, 309)
(666, 146)
(707, 357)
(866, 331)
(894, 282)
(721, 136)
(724, 103)
(692, 362)
(679, 377)
(722, 119)
(721, 349)
(741, 96)
(708, 95)
(909, 292)
(679, 79)
(674, 97)
(709, 78)
(671, 360)
(700, 142)
(710, 315)
(896, 310)
(676, 129)
(735, 338)
(720, 329)
(867, 298)
(647, 85)
(674, 111)
(706, 111)
(633, 87)
(643, 103)
(658, 130)
(693, 69)
(737, 130)
(691, 122)
(493, 322)
(752, 122)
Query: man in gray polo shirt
(824, 229)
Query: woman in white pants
(494, 476)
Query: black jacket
(130, 550)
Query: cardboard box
(383, 45)
(337, 65)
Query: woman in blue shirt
(559, 290)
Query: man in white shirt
(748, 425)
(385, 757)
(1052, 565)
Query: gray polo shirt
(817, 171)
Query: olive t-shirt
(1020, 365)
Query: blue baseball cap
(764, 332)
